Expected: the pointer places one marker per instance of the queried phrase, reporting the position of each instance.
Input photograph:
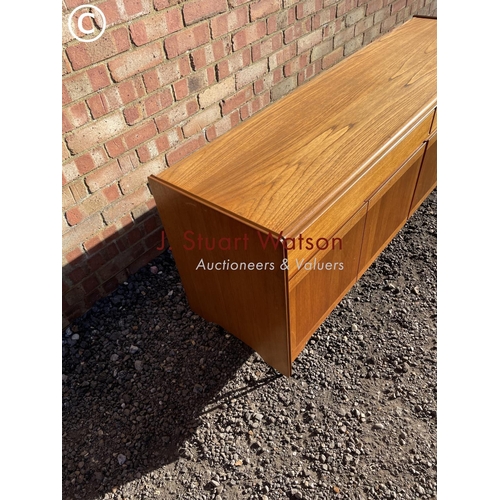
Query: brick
(346, 6)
(353, 45)
(75, 116)
(381, 15)
(371, 34)
(111, 12)
(251, 73)
(373, 6)
(93, 204)
(210, 53)
(110, 44)
(67, 198)
(103, 176)
(65, 151)
(309, 41)
(112, 193)
(234, 63)
(388, 23)
(265, 83)
(158, 102)
(115, 97)
(198, 10)
(125, 204)
(139, 176)
(128, 162)
(309, 71)
(308, 7)
(334, 27)
(81, 232)
(70, 172)
(90, 283)
(343, 36)
(73, 256)
(78, 190)
(323, 17)
(115, 147)
(157, 26)
(281, 20)
(201, 120)
(321, 50)
(295, 65)
(185, 149)
(217, 92)
(140, 134)
(262, 8)
(135, 8)
(136, 62)
(397, 6)
(283, 88)
(96, 132)
(226, 23)
(268, 46)
(282, 56)
(363, 25)
(222, 126)
(187, 39)
(159, 144)
(256, 105)
(235, 101)
(143, 209)
(333, 58)
(163, 4)
(176, 114)
(74, 216)
(166, 73)
(236, 3)
(76, 86)
(355, 15)
(84, 163)
(194, 83)
(248, 35)
(297, 30)
(133, 114)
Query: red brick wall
(166, 78)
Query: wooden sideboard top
(285, 165)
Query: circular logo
(90, 14)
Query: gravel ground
(158, 403)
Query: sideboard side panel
(250, 304)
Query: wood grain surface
(284, 165)
(427, 178)
(249, 303)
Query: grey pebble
(378, 426)
(121, 458)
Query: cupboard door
(321, 282)
(427, 178)
(388, 209)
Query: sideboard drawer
(388, 209)
(332, 219)
(321, 282)
(427, 178)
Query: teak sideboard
(271, 224)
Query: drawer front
(351, 200)
(427, 178)
(388, 209)
(315, 291)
